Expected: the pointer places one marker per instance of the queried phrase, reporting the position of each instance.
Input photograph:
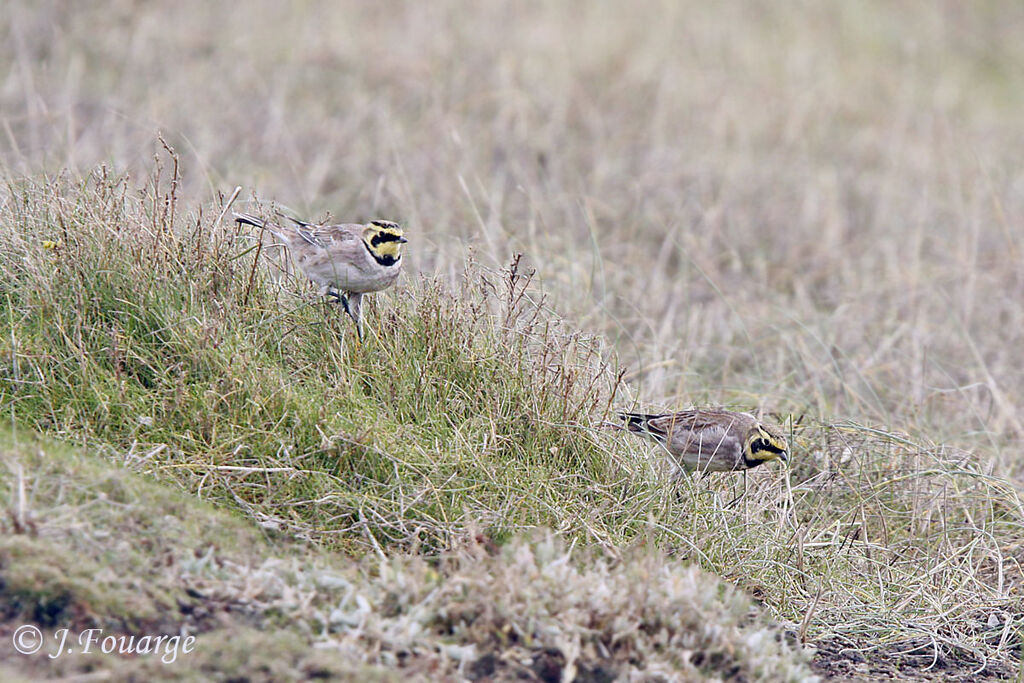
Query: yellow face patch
(766, 444)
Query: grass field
(812, 210)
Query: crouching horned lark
(349, 260)
(712, 440)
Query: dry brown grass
(814, 209)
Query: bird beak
(402, 240)
(784, 457)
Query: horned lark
(712, 440)
(349, 260)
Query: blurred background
(806, 207)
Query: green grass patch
(171, 341)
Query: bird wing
(699, 432)
(691, 420)
(319, 236)
(330, 236)
(714, 440)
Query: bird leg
(731, 503)
(355, 311)
(351, 303)
(728, 506)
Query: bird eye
(763, 445)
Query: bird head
(764, 444)
(384, 239)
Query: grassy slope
(462, 410)
(172, 345)
(819, 223)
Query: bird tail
(296, 221)
(639, 423)
(273, 228)
(249, 219)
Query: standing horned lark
(712, 440)
(349, 260)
